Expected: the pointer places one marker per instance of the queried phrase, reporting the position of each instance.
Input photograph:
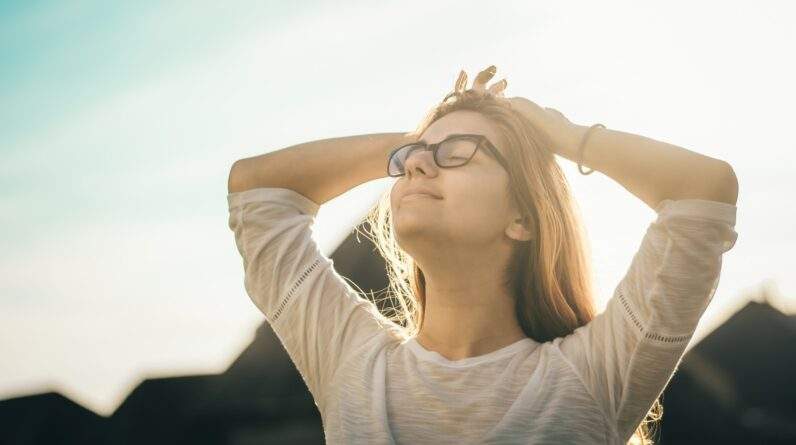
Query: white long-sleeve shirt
(372, 384)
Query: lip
(422, 191)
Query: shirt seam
(644, 330)
(295, 286)
(426, 355)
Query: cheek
(480, 204)
(479, 190)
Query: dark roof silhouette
(736, 386)
(48, 418)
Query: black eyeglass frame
(481, 141)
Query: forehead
(463, 121)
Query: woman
(494, 339)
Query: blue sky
(59, 56)
(120, 122)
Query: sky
(120, 120)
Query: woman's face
(474, 210)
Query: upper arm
(318, 317)
(627, 354)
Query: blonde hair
(550, 274)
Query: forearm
(650, 169)
(321, 169)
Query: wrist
(568, 145)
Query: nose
(421, 162)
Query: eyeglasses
(456, 150)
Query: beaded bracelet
(583, 146)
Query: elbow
(726, 185)
(714, 181)
(238, 180)
(234, 181)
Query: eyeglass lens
(453, 152)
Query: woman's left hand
(560, 132)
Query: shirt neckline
(433, 356)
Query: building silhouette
(737, 385)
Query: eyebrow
(486, 152)
(423, 141)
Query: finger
(461, 82)
(497, 88)
(483, 77)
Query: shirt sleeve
(628, 353)
(319, 318)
